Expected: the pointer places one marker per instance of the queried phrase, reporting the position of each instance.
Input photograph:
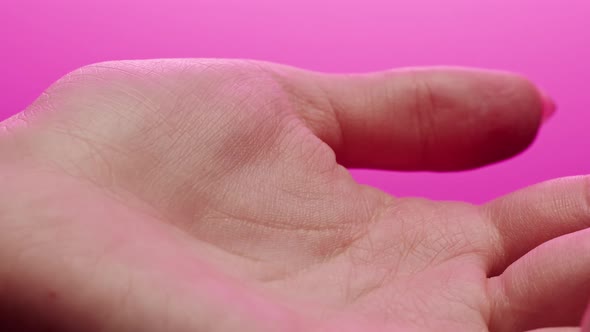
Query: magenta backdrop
(549, 41)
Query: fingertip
(549, 106)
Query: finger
(534, 215)
(422, 119)
(549, 286)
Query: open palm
(212, 195)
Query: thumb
(437, 119)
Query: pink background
(549, 41)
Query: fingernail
(549, 107)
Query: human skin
(213, 195)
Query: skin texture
(212, 195)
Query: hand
(211, 195)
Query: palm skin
(210, 195)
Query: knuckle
(424, 110)
(424, 96)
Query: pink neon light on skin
(550, 46)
